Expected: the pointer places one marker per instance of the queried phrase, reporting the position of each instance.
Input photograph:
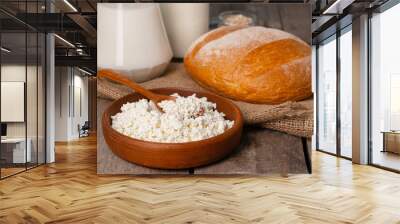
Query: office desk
(17, 150)
(391, 141)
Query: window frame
(336, 35)
(381, 9)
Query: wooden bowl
(174, 155)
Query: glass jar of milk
(185, 22)
(131, 38)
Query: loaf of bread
(252, 64)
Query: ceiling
(76, 25)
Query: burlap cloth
(295, 118)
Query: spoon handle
(116, 77)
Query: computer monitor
(3, 129)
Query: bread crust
(252, 64)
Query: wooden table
(13, 150)
(391, 141)
(261, 152)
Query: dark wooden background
(292, 18)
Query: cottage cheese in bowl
(184, 119)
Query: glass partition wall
(327, 95)
(334, 93)
(385, 89)
(22, 77)
(334, 104)
(345, 93)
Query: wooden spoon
(117, 77)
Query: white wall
(79, 117)
(69, 82)
(33, 127)
(62, 81)
(12, 73)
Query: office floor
(9, 170)
(69, 191)
(387, 159)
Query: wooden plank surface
(262, 152)
(292, 18)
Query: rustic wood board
(293, 18)
(109, 163)
(262, 151)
